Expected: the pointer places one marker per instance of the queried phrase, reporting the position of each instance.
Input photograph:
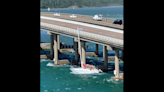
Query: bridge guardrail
(85, 34)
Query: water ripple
(67, 88)
(79, 88)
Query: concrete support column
(105, 56)
(103, 53)
(55, 49)
(96, 49)
(58, 41)
(116, 63)
(79, 49)
(83, 52)
(122, 55)
(76, 51)
(51, 44)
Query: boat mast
(79, 47)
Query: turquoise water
(59, 78)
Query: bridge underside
(110, 46)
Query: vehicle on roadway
(73, 16)
(117, 22)
(57, 14)
(97, 17)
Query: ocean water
(60, 79)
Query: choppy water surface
(59, 78)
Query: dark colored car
(117, 22)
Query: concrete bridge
(110, 37)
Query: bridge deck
(86, 29)
(85, 18)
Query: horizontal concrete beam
(113, 58)
(66, 50)
(64, 61)
(108, 46)
(43, 57)
(91, 54)
(83, 38)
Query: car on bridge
(117, 22)
(73, 16)
(97, 17)
(57, 14)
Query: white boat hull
(84, 71)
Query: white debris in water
(58, 89)
(56, 78)
(41, 60)
(67, 88)
(50, 64)
(94, 76)
(117, 79)
(45, 90)
(109, 80)
(79, 88)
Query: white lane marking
(84, 24)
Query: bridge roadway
(95, 29)
(85, 18)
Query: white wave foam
(45, 90)
(41, 60)
(64, 65)
(94, 76)
(50, 64)
(117, 79)
(67, 88)
(109, 80)
(78, 88)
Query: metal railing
(84, 34)
(85, 18)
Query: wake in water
(50, 64)
(64, 65)
(42, 60)
(87, 74)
